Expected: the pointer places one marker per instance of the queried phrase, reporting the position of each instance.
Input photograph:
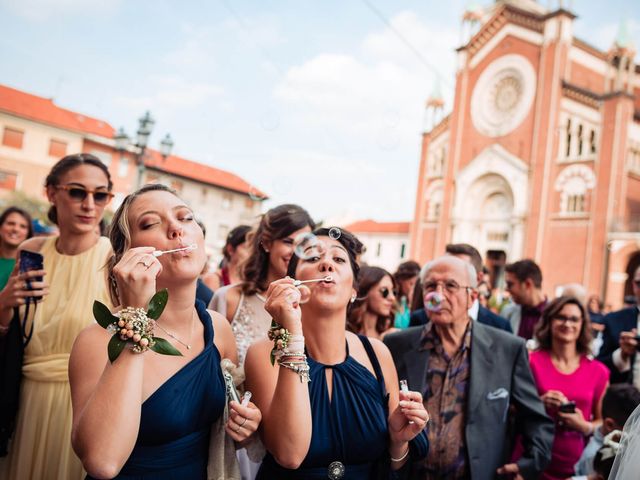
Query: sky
(315, 102)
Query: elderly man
(620, 340)
(477, 312)
(470, 375)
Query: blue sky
(315, 102)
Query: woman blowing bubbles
(338, 425)
(148, 415)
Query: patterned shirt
(446, 402)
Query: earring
(353, 298)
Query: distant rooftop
(371, 226)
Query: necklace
(186, 345)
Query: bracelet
(284, 342)
(134, 327)
(402, 457)
(301, 368)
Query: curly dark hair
(543, 327)
(276, 224)
(368, 278)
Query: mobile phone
(569, 407)
(31, 261)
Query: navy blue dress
(350, 428)
(175, 423)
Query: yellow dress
(41, 446)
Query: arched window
(568, 150)
(574, 183)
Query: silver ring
(245, 421)
(147, 265)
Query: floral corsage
(134, 326)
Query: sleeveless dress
(175, 421)
(350, 428)
(41, 446)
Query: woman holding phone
(78, 188)
(331, 403)
(570, 383)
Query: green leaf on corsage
(157, 304)
(115, 347)
(102, 314)
(163, 347)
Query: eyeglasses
(564, 318)
(79, 194)
(385, 292)
(449, 286)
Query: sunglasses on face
(565, 318)
(385, 292)
(79, 194)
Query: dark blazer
(486, 316)
(500, 376)
(614, 324)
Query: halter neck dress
(349, 430)
(175, 422)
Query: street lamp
(145, 127)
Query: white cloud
(171, 93)
(43, 10)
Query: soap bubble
(335, 233)
(433, 302)
(307, 245)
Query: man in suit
(469, 254)
(524, 282)
(470, 375)
(619, 344)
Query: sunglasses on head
(385, 292)
(80, 194)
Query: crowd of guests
(353, 371)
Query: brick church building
(540, 155)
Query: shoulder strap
(373, 358)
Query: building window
(227, 201)
(8, 180)
(576, 203)
(403, 248)
(573, 183)
(568, 150)
(177, 185)
(12, 137)
(105, 157)
(580, 140)
(592, 141)
(379, 249)
(57, 148)
(123, 166)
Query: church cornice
(439, 129)
(581, 44)
(507, 14)
(581, 95)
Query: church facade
(540, 155)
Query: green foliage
(157, 304)
(102, 314)
(163, 347)
(36, 207)
(115, 347)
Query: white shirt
(474, 309)
(625, 365)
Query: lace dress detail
(250, 323)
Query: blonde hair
(120, 232)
